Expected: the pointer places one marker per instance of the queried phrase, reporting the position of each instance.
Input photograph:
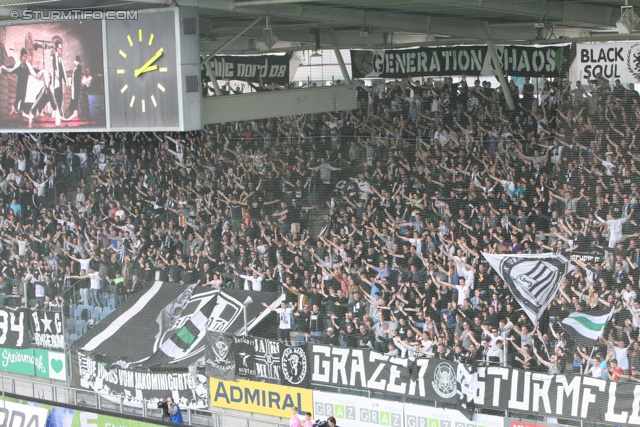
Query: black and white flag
(467, 379)
(220, 353)
(533, 279)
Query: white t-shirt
(596, 371)
(95, 280)
(84, 264)
(463, 292)
(252, 283)
(284, 315)
(621, 357)
(615, 230)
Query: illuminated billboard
(140, 73)
(51, 75)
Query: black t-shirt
(294, 213)
(302, 320)
(254, 208)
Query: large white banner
(422, 416)
(611, 60)
(356, 411)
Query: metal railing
(116, 405)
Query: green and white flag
(586, 328)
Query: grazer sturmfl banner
(549, 61)
(558, 396)
(615, 60)
(269, 68)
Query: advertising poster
(420, 416)
(260, 398)
(18, 361)
(19, 412)
(356, 411)
(34, 362)
(51, 364)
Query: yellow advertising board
(261, 398)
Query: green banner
(18, 361)
(51, 365)
(34, 362)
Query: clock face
(142, 70)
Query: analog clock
(142, 70)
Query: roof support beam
(415, 23)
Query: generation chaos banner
(549, 61)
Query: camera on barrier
(321, 423)
(163, 405)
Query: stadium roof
(376, 23)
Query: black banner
(549, 61)
(141, 336)
(139, 331)
(14, 329)
(592, 256)
(269, 68)
(46, 330)
(560, 396)
(219, 362)
(256, 358)
(113, 382)
(295, 366)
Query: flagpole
(599, 337)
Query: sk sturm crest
(533, 279)
(444, 380)
(633, 61)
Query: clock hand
(153, 59)
(146, 70)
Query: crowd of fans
(372, 221)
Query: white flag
(533, 279)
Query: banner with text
(228, 356)
(13, 329)
(261, 398)
(188, 389)
(18, 361)
(549, 61)
(561, 396)
(588, 256)
(357, 411)
(268, 68)
(34, 362)
(615, 60)
(46, 330)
